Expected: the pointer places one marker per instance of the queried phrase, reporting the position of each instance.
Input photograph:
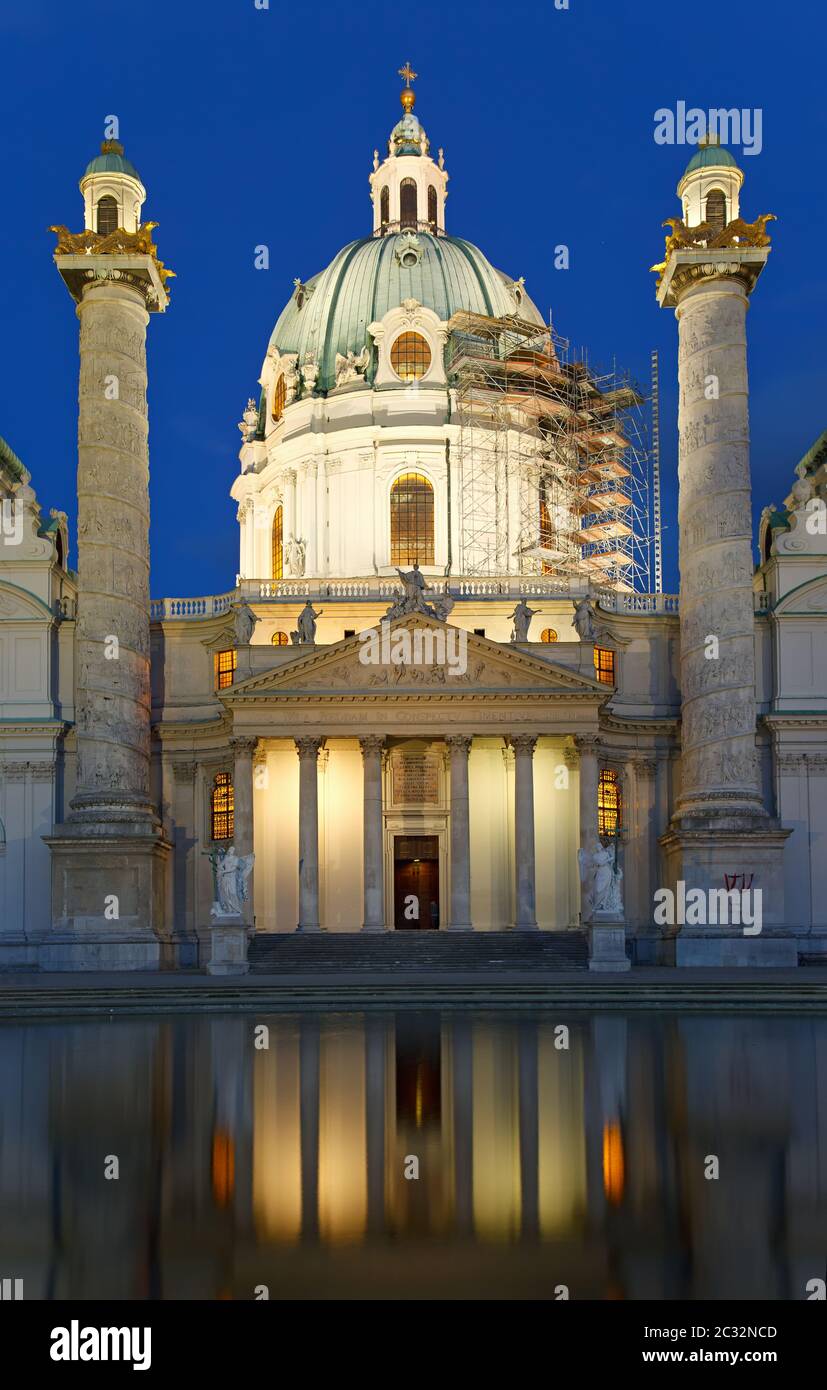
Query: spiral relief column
(720, 828)
(109, 857)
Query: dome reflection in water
(414, 1155)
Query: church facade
(437, 696)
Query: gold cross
(408, 73)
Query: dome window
(412, 520)
(278, 544)
(432, 208)
(279, 398)
(716, 209)
(410, 356)
(407, 204)
(107, 218)
(280, 639)
(385, 206)
(548, 635)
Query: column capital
(587, 743)
(645, 768)
(459, 744)
(243, 743)
(372, 745)
(523, 743)
(307, 747)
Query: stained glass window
(410, 356)
(548, 635)
(278, 544)
(280, 639)
(608, 802)
(222, 807)
(412, 520)
(225, 663)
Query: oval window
(410, 356)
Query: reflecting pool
(415, 1155)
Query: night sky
(254, 127)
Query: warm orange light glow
(614, 1167)
(223, 1167)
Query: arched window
(548, 634)
(716, 209)
(107, 215)
(432, 208)
(609, 808)
(385, 206)
(278, 544)
(280, 639)
(222, 807)
(410, 356)
(225, 664)
(407, 203)
(279, 398)
(546, 538)
(412, 520)
(604, 665)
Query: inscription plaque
(415, 780)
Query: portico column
(243, 747)
(587, 746)
(459, 747)
(308, 751)
(526, 914)
(373, 838)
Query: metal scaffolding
(553, 465)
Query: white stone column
(243, 748)
(308, 751)
(587, 746)
(526, 910)
(373, 841)
(459, 748)
(289, 514)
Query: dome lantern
(710, 186)
(113, 193)
(408, 189)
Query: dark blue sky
(257, 126)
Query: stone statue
(351, 367)
(244, 622)
(306, 625)
(248, 424)
(442, 606)
(601, 879)
(584, 620)
(413, 595)
(230, 874)
(295, 557)
(522, 616)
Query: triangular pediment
(416, 655)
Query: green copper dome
(331, 312)
(710, 157)
(111, 161)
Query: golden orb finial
(408, 96)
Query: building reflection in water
(416, 1155)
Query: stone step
(421, 950)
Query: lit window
(407, 203)
(410, 356)
(279, 398)
(222, 807)
(412, 520)
(278, 544)
(546, 537)
(604, 665)
(225, 664)
(107, 216)
(609, 809)
(548, 635)
(280, 639)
